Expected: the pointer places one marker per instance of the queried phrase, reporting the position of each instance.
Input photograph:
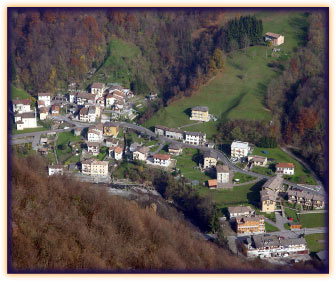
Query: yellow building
(268, 200)
(247, 225)
(93, 167)
(200, 113)
(111, 129)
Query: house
(209, 159)
(110, 142)
(84, 114)
(43, 141)
(55, 170)
(43, 151)
(119, 97)
(274, 183)
(267, 246)
(195, 138)
(212, 184)
(21, 106)
(83, 97)
(267, 201)
(175, 134)
(111, 129)
(162, 159)
(44, 112)
(95, 168)
(223, 174)
(175, 149)
(40, 103)
(200, 113)
(101, 102)
(55, 110)
(25, 120)
(95, 133)
(276, 39)
(250, 225)
(306, 199)
(239, 149)
(46, 97)
(116, 152)
(240, 211)
(93, 113)
(93, 147)
(256, 160)
(134, 146)
(284, 169)
(109, 100)
(78, 131)
(98, 89)
(161, 130)
(141, 153)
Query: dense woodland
(58, 224)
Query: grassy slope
(314, 242)
(313, 220)
(17, 93)
(279, 156)
(63, 139)
(228, 95)
(270, 227)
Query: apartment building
(200, 113)
(239, 149)
(95, 168)
(250, 225)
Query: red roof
(285, 165)
(212, 183)
(118, 149)
(55, 108)
(25, 102)
(162, 156)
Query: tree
(219, 59)
(236, 134)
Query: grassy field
(186, 163)
(291, 213)
(239, 91)
(243, 177)
(239, 195)
(301, 174)
(314, 242)
(270, 228)
(313, 220)
(63, 140)
(263, 171)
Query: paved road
(221, 156)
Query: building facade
(95, 168)
(239, 149)
(200, 113)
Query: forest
(59, 225)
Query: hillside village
(89, 134)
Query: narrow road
(189, 125)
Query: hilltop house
(276, 39)
(200, 113)
(95, 168)
(46, 97)
(141, 153)
(162, 159)
(239, 149)
(93, 147)
(284, 168)
(240, 211)
(209, 159)
(21, 106)
(98, 89)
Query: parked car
(290, 218)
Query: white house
(195, 138)
(21, 106)
(55, 170)
(26, 120)
(116, 152)
(162, 159)
(98, 89)
(46, 97)
(267, 246)
(141, 153)
(43, 113)
(284, 169)
(223, 174)
(95, 133)
(93, 147)
(239, 149)
(109, 100)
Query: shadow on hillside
(253, 197)
(188, 111)
(235, 102)
(301, 25)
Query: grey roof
(267, 194)
(239, 209)
(199, 134)
(262, 241)
(175, 146)
(98, 85)
(305, 195)
(256, 158)
(93, 144)
(274, 183)
(174, 130)
(142, 149)
(222, 169)
(201, 108)
(27, 115)
(210, 154)
(240, 219)
(111, 124)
